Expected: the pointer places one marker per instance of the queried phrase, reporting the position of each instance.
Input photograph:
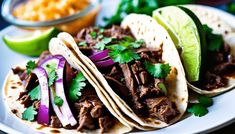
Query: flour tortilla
(213, 20)
(155, 36)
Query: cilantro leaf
(35, 93)
(214, 41)
(162, 87)
(124, 56)
(137, 43)
(51, 72)
(77, 85)
(58, 101)
(198, 110)
(93, 35)
(29, 114)
(101, 45)
(30, 66)
(158, 70)
(83, 43)
(101, 30)
(205, 101)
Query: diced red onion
(104, 63)
(43, 113)
(99, 55)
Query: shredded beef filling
(88, 110)
(131, 81)
(91, 112)
(219, 65)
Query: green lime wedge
(185, 34)
(29, 42)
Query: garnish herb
(93, 35)
(158, 70)
(231, 7)
(101, 30)
(101, 45)
(77, 85)
(200, 108)
(51, 71)
(29, 114)
(214, 41)
(35, 93)
(30, 66)
(83, 43)
(124, 52)
(58, 101)
(162, 87)
(205, 101)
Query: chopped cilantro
(158, 70)
(29, 114)
(93, 35)
(30, 66)
(35, 93)
(162, 87)
(51, 72)
(231, 7)
(101, 30)
(124, 56)
(205, 101)
(124, 52)
(83, 43)
(198, 110)
(77, 85)
(101, 45)
(58, 101)
(214, 41)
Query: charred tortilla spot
(41, 127)
(219, 25)
(19, 83)
(55, 131)
(14, 111)
(13, 87)
(182, 99)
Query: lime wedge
(29, 42)
(184, 32)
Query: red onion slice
(43, 113)
(59, 87)
(63, 113)
(104, 63)
(99, 55)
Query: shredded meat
(162, 108)
(55, 122)
(105, 123)
(91, 111)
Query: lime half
(29, 42)
(185, 35)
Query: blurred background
(227, 5)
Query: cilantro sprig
(93, 35)
(200, 109)
(51, 71)
(35, 93)
(101, 45)
(214, 41)
(124, 52)
(30, 66)
(29, 114)
(77, 85)
(158, 70)
(58, 101)
(82, 44)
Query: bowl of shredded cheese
(66, 15)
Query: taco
(216, 62)
(51, 96)
(138, 66)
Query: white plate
(220, 114)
